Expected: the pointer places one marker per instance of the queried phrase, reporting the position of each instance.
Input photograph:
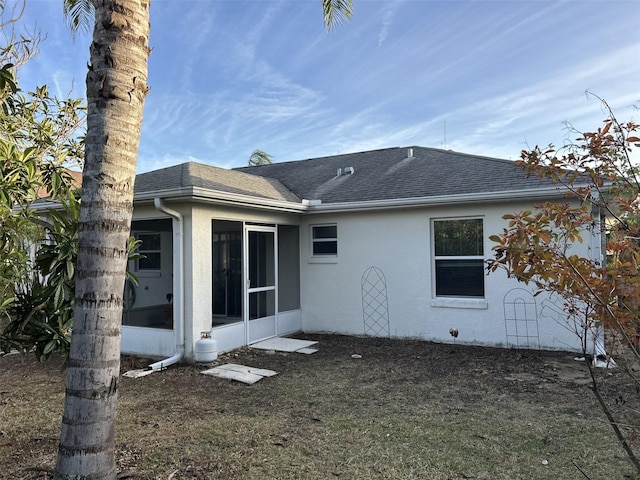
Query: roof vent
(409, 152)
(345, 171)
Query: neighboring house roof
(189, 176)
(391, 174)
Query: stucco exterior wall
(399, 244)
(395, 247)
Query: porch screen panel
(261, 262)
(227, 271)
(288, 267)
(262, 304)
(150, 303)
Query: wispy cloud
(389, 10)
(229, 77)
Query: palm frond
(79, 15)
(259, 157)
(336, 12)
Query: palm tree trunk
(116, 89)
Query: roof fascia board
(213, 196)
(205, 195)
(440, 200)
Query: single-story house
(390, 242)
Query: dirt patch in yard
(358, 408)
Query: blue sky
(482, 77)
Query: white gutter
(205, 195)
(178, 287)
(319, 207)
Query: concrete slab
(283, 344)
(137, 373)
(307, 351)
(239, 373)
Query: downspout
(178, 296)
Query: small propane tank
(206, 349)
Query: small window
(324, 239)
(459, 257)
(151, 251)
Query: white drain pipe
(178, 283)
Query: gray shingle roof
(192, 174)
(385, 174)
(390, 174)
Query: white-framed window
(324, 240)
(151, 249)
(458, 246)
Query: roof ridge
(246, 169)
(319, 158)
(464, 154)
